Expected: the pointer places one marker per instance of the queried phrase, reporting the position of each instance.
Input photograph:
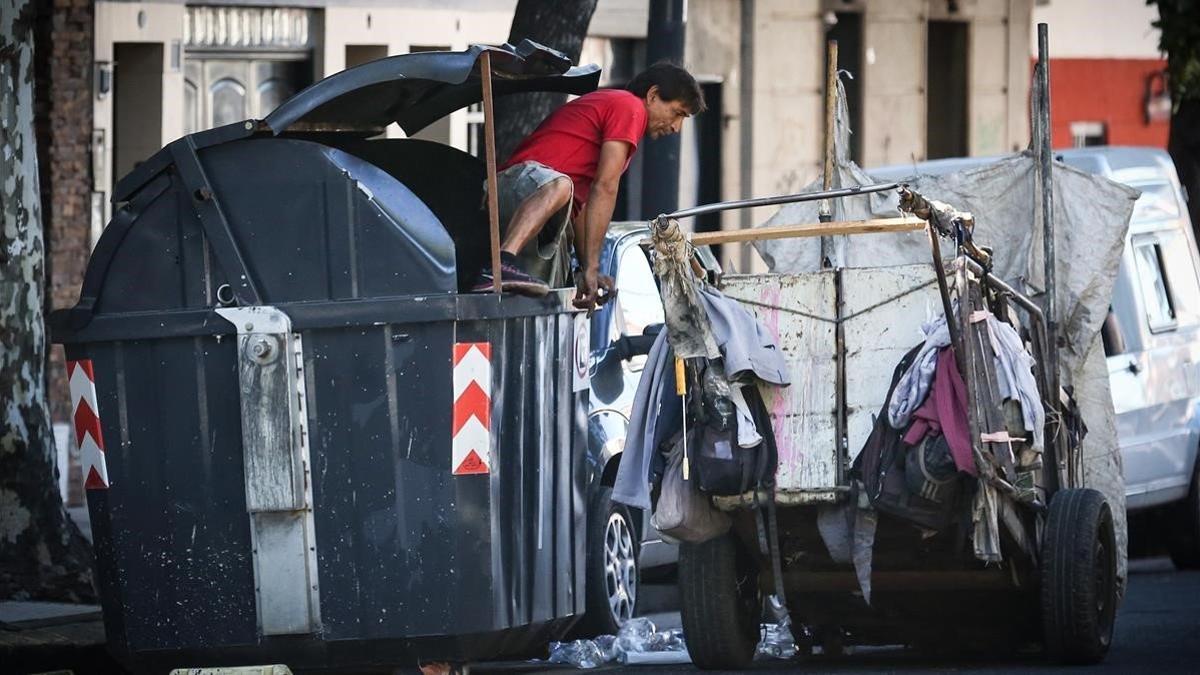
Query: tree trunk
(560, 25)
(42, 553)
(1184, 146)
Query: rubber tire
(1183, 540)
(721, 625)
(1078, 573)
(598, 618)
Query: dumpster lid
(414, 90)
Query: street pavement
(1158, 631)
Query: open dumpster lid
(414, 90)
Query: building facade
(1107, 77)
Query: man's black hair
(674, 84)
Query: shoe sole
(528, 288)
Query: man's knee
(558, 192)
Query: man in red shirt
(567, 172)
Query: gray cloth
(683, 512)
(747, 349)
(848, 530)
(745, 345)
(913, 385)
(547, 256)
(655, 389)
(1014, 373)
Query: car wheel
(612, 571)
(1078, 577)
(1183, 541)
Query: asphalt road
(1158, 631)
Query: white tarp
(1091, 216)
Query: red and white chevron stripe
(471, 436)
(86, 414)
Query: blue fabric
(745, 345)
(747, 349)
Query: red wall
(1105, 90)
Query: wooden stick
(826, 208)
(875, 226)
(489, 135)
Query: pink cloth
(945, 411)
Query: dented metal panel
(883, 312)
(799, 311)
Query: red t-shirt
(569, 140)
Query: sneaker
(513, 279)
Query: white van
(1152, 340)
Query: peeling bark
(42, 553)
(560, 25)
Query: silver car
(1152, 341)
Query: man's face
(665, 117)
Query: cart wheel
(612, 571)
(1183, 540)
(720, 603)
(1079, 577)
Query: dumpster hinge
(277, 469)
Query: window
(1086, 134)
(638, 302)
(1157, 202)
(475, 129)
(1156, 292)
(1110, 333)
(228, 101)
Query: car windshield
(1158, 202)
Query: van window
(1157, 202)
(1179, 264)
(1156, 293)
(1110, 333)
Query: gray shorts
(548, 256)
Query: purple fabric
(945, 411)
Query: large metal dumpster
(302, 444)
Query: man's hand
(592, 289)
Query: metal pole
(1045, 169)
(780, 199)
(939, 269)
(489, 135)
(831, 58)
(665, 33)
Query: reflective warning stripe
(471, 430)
(86, 414)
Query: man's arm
(598, 214)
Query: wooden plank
(874, 226)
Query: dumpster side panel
(172, 527)
(538, 481)
(401, 544)
(407, 548)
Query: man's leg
(534, 212)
